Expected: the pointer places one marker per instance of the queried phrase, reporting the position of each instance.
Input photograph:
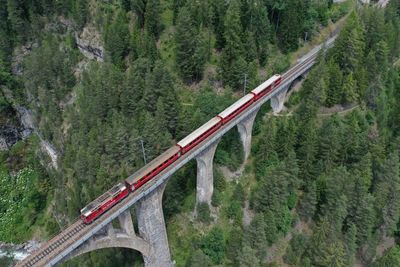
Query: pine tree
(296, 249)
(199, 259)
(139, 7)
(249, 47)
(330, 142)
(387, 194)
(255, 236)
(309, 201)
(319, 250)
(335, 84)
(218, 14)
(18, 20)
(381, 56)
(390, 258)
(149, 48)
(190, 47)
(248, 257)
(335, 255)
(349, 46)
(349, 89)
(213, 245)
(286, 140)
(176, 6)
(374, 22)
(231, 64)
(172, 110)
(351, 243)
(117, 39)
(307, 148)
(80, 12)
(234, 245)
(291, 26)
(133, 89)
(153, 18)
(260, 26)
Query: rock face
(11, 129)
(18, 56)
(18, 252)
(9, 135)
(89, 43)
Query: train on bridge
(104, 202)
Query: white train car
(236, 108)
(199, 135)
(267, 86)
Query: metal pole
(143, 151)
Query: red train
(97, 207)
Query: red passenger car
(236, 108)
(153, 168)
(103, 203)
(267, 86)
(199, 135)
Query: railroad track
(51, 246)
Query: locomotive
(120, 191)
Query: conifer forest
(90, 90)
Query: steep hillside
(101, 77)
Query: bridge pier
(123, 237)
(152, 228)
(278, 100)
(205, 176)
(245, 128)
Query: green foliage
(117, 39)
(203, 212)
(152, 21)
(291, 27)
(232, 64)
(80, 10)
(390, 258)
(191, 48)
(19, 203)
(349, 47)
(342, 170)
(199, 259)
(213, 245)
(297, 247)
(5, 107)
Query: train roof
(265, 84)
(101, 199)
(235, 106)
(152, 165)
(199, 131)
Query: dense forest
(321, 187)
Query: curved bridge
(152, 239)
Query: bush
(213, 245)
(292, 200)
(216, 198)
(203, 212)
(297, 246)
(219, 180)
(234, 211)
